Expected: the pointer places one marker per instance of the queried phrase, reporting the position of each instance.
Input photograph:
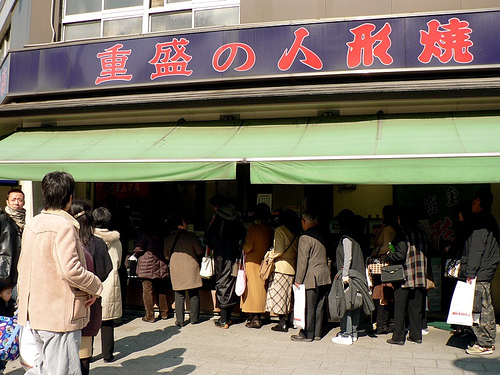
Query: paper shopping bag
(461, 304)
(299, 306)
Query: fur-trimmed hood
(107, 235)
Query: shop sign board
(379, 45)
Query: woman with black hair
(111, 291)
(383, 294)
(98, 262)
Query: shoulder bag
(241, 279)
(207, 265)
(391, 274)
(267, 264)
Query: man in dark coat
(313, 272)
(11, 227)
(480, 260)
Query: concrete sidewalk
(157, 348)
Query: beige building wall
(254, 11)
(365, 200)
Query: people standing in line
(98, 262)
(12, 222)
(258, 241)
(408, 294)
(56, 301)
(224, 237)
(351, 268)
(383, 293)
(480, 261)
(284, 253)
(183, 250)
(152, 267)
(313, 272)
(111, 293)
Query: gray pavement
(162, 348)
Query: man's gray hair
(310, 217)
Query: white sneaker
(425, 331)
(342, 340)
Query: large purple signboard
(413, 43)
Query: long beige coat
(53, 282)
(258, 241)
(111, 291)
(184, 261)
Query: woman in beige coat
(258, 241)
(111, 293)
(184, 251)
(284, 253)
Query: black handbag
(391, 274)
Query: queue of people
(338, 284)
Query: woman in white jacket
(111, 293)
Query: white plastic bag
(461, 304)
(299, 306)
(27, 349)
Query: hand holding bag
(392, 274)
(207, 270)
(241, 279)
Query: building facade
(341, 104)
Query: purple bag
(9, 338)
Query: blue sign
(412, 43)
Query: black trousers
(194, 305)
(315, 311)
(107, 338)
(411, 300)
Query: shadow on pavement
(153, 364)
(480, 365)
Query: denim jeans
(350, 322)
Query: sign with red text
(412, 43)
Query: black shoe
(415, 341)
(110, 359)
(279, 328)
(219, 324)
(317, 338)
(300, 338)
(382, 331)
(395, 342)
(180, 324)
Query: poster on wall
(439, 205)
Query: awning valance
(368, 150)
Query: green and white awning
(368, 150)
